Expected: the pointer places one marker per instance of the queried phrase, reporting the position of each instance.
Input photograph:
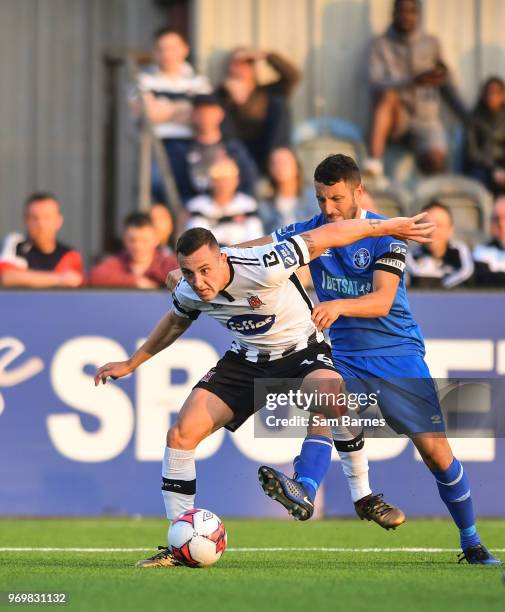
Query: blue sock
(313, 462)
(454, 488)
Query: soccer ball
(197, 538)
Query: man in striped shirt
(169, 88)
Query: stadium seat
(318, 137)
(470, 202)
(400, 164)
(392, 201)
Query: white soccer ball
(197, 538)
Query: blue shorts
(406, 393)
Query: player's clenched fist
(325, 314)
(114, 369)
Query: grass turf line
(248, 581)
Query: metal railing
(150, 143)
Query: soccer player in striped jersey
(255, 294)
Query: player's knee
(327, 397)
(436, 453)
(181, 437)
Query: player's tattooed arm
(311, 245)
(166, 332)
(343, 233)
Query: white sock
(349, 444)
(178, 481)
(355, 466)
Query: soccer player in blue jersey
(374, 337)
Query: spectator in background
(258, 114)
(485, 137)
(443, 263)
(169, 89)
(490, 258)
(141, 264)
(230, 215)
(38, 259)
(206, 148)
(289, 201)
(407, 76)
(163, 227)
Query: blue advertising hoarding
(68, 448)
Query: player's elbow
(384, 308)
(383, 312)
(383, 305)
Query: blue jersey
(347, 272)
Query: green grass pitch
(259, 580)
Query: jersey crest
(361, 259)
(255, 302)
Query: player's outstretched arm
(347, 231)
(343, 233)
(166, 332)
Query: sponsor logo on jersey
(250, 324)
(287, 254)
(326, 253)
(353, 287)
(361, 259)
(398, 247)
(287, 230)
(255, 302)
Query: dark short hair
(336, 168)
(138, 219)
(36, 196)
(437, 204)
(417, 3)
(191, 240)
(165, 31)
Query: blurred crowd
(238, 174)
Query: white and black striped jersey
(236, 221)
(264, 305)
(453, 269)
(184, 86)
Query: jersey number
(270, 259)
